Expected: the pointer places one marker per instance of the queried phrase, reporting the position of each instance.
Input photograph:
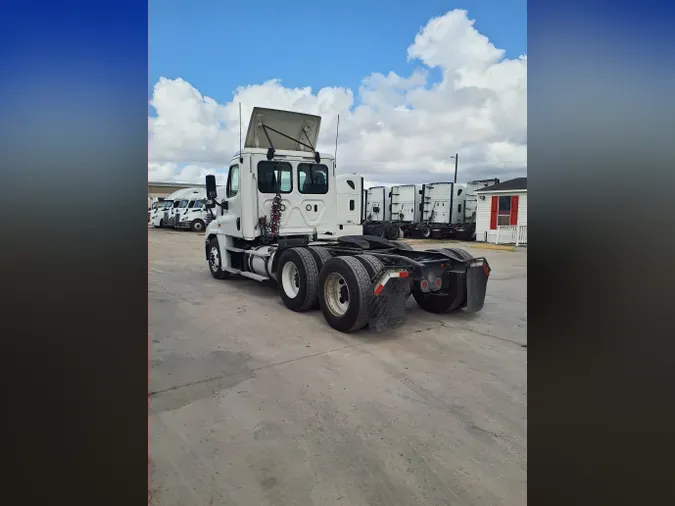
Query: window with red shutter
(514, 210)
(504, 213)
(493, 212)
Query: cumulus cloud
(397, 129)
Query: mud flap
(476, 284)
(387, 310)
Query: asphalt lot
(252, 404)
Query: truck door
(349, 201)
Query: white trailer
(281, 199)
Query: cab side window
(233, 182)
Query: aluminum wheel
(214, 259)
(198, 226)
(336, 294)
(290, 279)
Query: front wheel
(198, 226)
(425, 230)
(215, 261)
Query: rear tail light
(437, 282)
(424, 285)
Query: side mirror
(211, 191)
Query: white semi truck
(402, 210)
(183, 209)
(165, 216)
(277, 220)
(448, 209)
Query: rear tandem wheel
(345, 293)
(455, 296)
(297, 279)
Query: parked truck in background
(174, 205)
(448, 210)
(377, 215)
(406, 207)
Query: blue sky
(218, 45)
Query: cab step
(254, 276)
(246, 274)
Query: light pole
(456, 157)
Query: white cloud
(404, 129)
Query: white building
(501, 215)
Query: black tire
(460, 252)
(321, 256)
(461, 278)
(215, 261)
(378, 231)
(198, 226)
(403, 245)
(391, 232)
(305, 279)
(372, 264)
(443, 303)
(425, 231)
(359, 293)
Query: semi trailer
(276, 221)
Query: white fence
(511, 234)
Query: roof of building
(174, 184)
(517, 184)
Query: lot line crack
(455, 327)
(267, 366)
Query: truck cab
(277, 185)
(195, 215)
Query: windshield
(168, 204)
(182, 204)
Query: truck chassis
(356, 281)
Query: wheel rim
(336, 294)
(214, 259)
(290, 279)
(197, 226)
(426, 232)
